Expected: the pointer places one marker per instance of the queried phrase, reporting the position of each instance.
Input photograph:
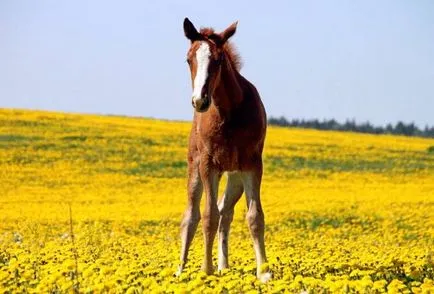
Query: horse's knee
(210, 221)
(191, 217)
(255, 220)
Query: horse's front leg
(233, 192)
(210, 219)
(192, 213)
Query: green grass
(407, 164)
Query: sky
(366, 60)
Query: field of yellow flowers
(92, 204)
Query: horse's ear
(229, 32)
(190, 31)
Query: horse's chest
(225, 157)
(223, 148)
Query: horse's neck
(228, 93)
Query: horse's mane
(228, 47)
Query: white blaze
(202, 56)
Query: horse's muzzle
(201, 104)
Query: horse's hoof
(264, 277)
(222, 267)
(179, 271)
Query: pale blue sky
(367, 60)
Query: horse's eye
(188, 61)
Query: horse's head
(204, 57)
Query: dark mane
(229, 48)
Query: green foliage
(400, 128)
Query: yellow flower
(343, 212)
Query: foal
(227, 135)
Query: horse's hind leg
(255, 219)
(192, 213)
(233, 192)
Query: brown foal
(227, 135)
